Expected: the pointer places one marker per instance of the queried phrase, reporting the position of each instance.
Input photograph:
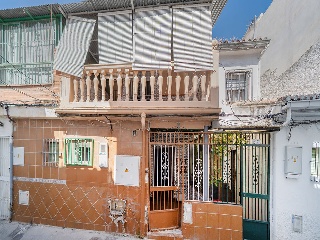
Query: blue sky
(232, 23)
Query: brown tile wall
(214, 221)
(82, 201)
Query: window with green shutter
(79, 151)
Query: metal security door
(5, 146)
(255, 189)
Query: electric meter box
(293, 161)
(126, 170)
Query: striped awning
(73, 46)
(115, 37)
(152, 39)
(192, 39)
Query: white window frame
(245, 87)
(315, 162)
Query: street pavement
(24, 231)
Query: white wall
(6, 129)
(294, 196)
(293, 27)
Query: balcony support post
(103, 85)
(186, 88)
(96, 85)
(203, 86)
(152, 84)
(178, 80)
(160, 82)
(169, 83)
(75, 89)
(88, 83)
(127, 84)
(143, 85)
(111, 81)
(194, 87)
(119, 84)
(135, 86)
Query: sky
(232, 23)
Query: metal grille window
(315, 162)
(27, 51)
(79, 151)
(50, 152)
(237, 83)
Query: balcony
(117, 89)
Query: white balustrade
(82, 88)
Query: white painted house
(285, 102)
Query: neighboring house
(287, 106)
(118, 139)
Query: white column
(152, 84)
(82, 83)
(135, 86)
(169, 83)
(127, 84)
(75, 89)
(178, 80)
(186, 87)
(96, 85)
(194, 87)
(160, 82)
(88, 82)
(111, 84)
(119, 84)
(143, 86)
(103, 85)
(203, 86)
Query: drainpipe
(206, 164)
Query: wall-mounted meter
(293, 161)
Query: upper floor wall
(293, 29)
(239, 72)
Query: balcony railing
(119, 86)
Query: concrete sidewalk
(24, 231)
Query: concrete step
(174, 234)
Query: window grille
(314, 163)
(79, 151)
(237, 83)
(50, 152)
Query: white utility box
(18, 156)
(126, 170)
(23, 197)
(293, 161)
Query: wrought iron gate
(5, 147)
(227, 167)
(255, 188)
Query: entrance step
(174, 234)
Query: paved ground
(23, 231)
